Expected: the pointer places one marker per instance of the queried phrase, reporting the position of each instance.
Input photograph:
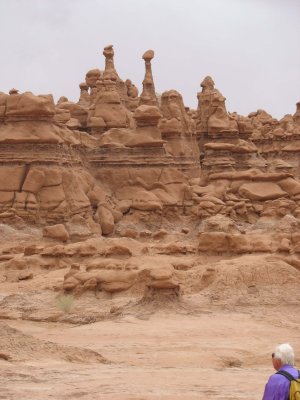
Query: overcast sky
(251, 48)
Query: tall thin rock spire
(110, 70)
(148, 96)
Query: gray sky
(251, 48)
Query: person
(278, 386)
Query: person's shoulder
(290, 370)
(294, 371)
(276, 378)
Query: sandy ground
(216, 353)
(213, 342)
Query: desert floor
(213, 352)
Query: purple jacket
(278, 386)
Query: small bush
(65, 302)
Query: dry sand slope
(194, 347)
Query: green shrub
(65, 302)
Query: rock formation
(84, 99)
(42, 179)
(213, 118)
(111, 99)
(115, 207)
(296, 116)
(110, 72)
(178, 130)
(91, 78)
(148, 96)
(73, 115)
(107, 111)
(132, 93)
(127, 166)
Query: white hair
(285, 353)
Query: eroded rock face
(108, 112)
(26, 106)
(115, 158)
(212, 114)
(121, 196)
(26, 118)
(73, 115)
(178, 130)
(45, 193)
(37, 183)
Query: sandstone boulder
(146, 201)
(163, 278)
(58, 232)
(291, 186)
(109, 281)
(106, 220)
(262, 191)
